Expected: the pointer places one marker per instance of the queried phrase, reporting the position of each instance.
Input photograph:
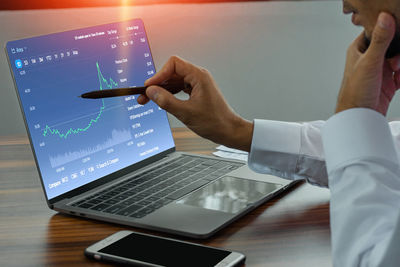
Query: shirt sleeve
(294, 150)
(364, 180)
(289, 150)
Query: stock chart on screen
(75, 140)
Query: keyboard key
(85, 205)
(100, 207)
(124, 183)
(111, 201)
(144, 202)
(168, 183)
(114, 209)
(220, 165)
(156, 205)
(181, 169)
(191, 164)
(119, 197)
(182, 184)
(136, 198)
(139, 181)
(154, 174)
(131, 209)
(176, 187)
(187, 173)
(121, 189)
(136, 190)
(128, 194)
(104, 197)
(128, 202)
(168, 190)
(153, 199)
(187, 189)
(205, 172)
(95, 201)
(147, 210)
(158, 187)
(166, 176)
(160, 194)
(152, 190)
(173, 165)
(133, 183)
(191, 180)
(152, 182)
(174, 172)
(185, 159)
(140, 188)
(210, 162)
(179, 177)
(142, 195)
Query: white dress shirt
(362, 164)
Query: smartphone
(137, 249)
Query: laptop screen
(77, 141)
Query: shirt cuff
(354, 134)
(275, 144)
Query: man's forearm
(240, 134)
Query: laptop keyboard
(144, 193)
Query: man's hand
(370, 81)
(205, 112)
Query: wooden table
(290, 230)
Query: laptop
(113, 159)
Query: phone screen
(164, 252)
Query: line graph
(109, 84)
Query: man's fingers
(174, 66)
(142, 99)
(382, 36)
(360, 43)
(166, 100)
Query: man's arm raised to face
(361, 157)
(370, 81)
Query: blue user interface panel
(77, 141)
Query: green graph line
(109, 84)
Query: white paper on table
(231, 150)
(230, 155)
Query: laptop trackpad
(229, 194)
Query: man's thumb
(382, 36)
(164, 99)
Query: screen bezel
(101, 180)
(232, 259)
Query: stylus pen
(173, 86)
